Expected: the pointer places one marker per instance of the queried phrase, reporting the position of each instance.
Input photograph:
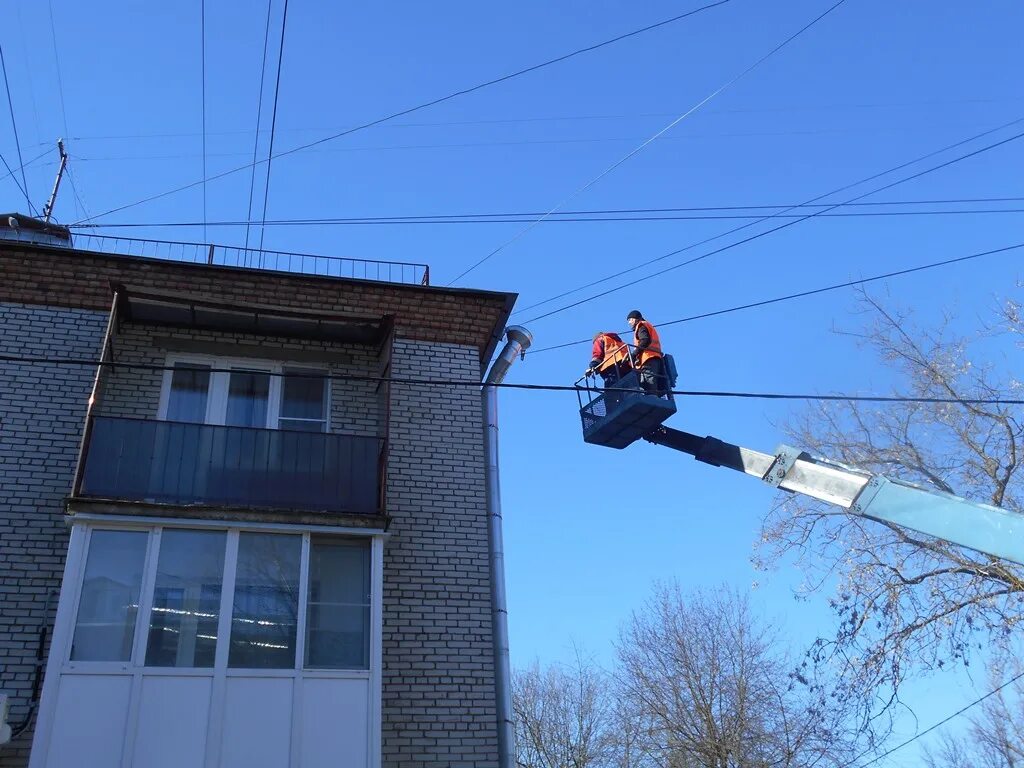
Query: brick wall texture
(42, 408)
(438, 676)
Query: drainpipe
(518, 339)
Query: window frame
(217, 395)
(136, 663)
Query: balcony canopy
(184, 311)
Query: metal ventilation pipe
(518, 340)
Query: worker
(609, 358)
(647, 353)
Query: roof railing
(250, 258)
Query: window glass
(266, 600)
(248, 394)
(109, 603)
(190, 385)
(304, 402)
(338, 612)
(186, 599)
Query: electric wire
(648, 141)
(273, 124)
(562, 220)
(202, 57)
(30, 162)
(14, 126)
(414, 382)
(813, 200)
(17, 183)
(758, 235)
(60, 92)
(423, 105)
(259, 118)
(934, 726)
(803, 294)
(74, 190)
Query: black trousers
(652, 377)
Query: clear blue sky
(874, 84)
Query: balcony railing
(201, 464)
(251, 258)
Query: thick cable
(80, 362)
(424, 105)
(648, 141)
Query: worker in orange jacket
(609, 357)
(647, 354)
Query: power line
(74, 189)
(30, 162)
(812, 292)
(424, 105)
(273, 121)
(202, 57)
(259, 117)
(14, 126)
(648, 141)
(17, 183)
(774, 229)
(939, 724)
(813, 200)
(80, 362)
(60, 92)
(561, 220)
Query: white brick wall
(42, 409)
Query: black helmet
(635, 315)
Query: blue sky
(872, 85)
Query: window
(194, 577)
(266, 606)
(303, 401)
(109, 603)
(189, 389)
(247, 395)
(186, 599)
(338, 613)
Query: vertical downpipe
(517, 341)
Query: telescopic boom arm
(990, 530)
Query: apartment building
(240, 539)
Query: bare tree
(564, 716)
(909, 602)
(714, 690)
(995, 737)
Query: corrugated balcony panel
(179, 463)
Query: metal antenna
(48, 208)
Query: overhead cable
(803, 294)
(442, 221)
(932, 727)
(259, 117)
(273, 121)
(13, 125)
(80, 362)
(770, 231)
(648, 141)
(202, 56)
(423, 105)
(829, 206)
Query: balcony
(166, 462)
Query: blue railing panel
(180, 463)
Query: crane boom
(987, 529)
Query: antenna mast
(48, 208)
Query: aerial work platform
(621, 413)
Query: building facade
(241, 539)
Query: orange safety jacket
(612, 348)
(653, 350)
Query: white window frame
(217, 395)
(59, 664)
